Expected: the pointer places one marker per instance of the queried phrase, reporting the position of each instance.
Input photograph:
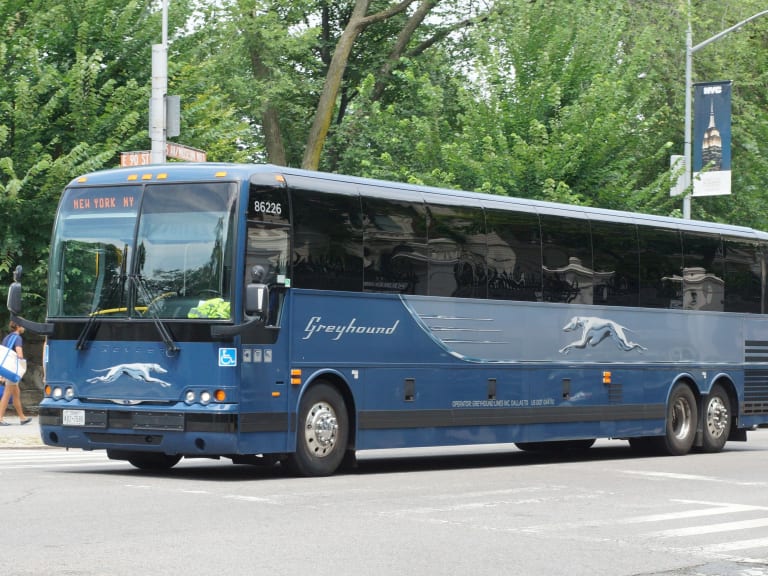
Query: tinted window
(457, 249)
(184, 253)
(567, 258)
(514, 255)
(268, 202)
(617, 264)
(743, 276)
(395, 245)
(327, 243)
(661, 265)
(702, 272)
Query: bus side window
(703, 272)
(395, 245)
(514, 255)
(743, 276)
(457, 250)
(661, 266)
(567, 260)
(328, 240)
(617, 264)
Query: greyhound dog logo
(595, 330)
(136, 371)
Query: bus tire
(322, 432)
(681, 422)
(153, 461)
(717, 420)
(643, 444)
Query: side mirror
(256, 299)
(14, 307)
(14, 293)
(256, 306)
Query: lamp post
(690, 49)
(157, 115)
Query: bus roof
(210, 171)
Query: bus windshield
(169, 264)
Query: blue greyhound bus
(267, 314)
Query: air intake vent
(756, 379)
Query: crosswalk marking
(715, 510)
(692, 478)
(712, 528)
(737, 545)
(18, 459)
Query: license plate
(73, 417)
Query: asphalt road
(422, 512)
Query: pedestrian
(15, 343)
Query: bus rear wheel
(717, 420)
(322, 433)
(682, 418)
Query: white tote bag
(12, 368)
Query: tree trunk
(325, 107)
(327, 103)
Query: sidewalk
(18, 436)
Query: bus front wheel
(146, 460)
(682, 418)
(322, 432)
(717, 420)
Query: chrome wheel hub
(321, 429)
(681, 419)
(717, 418)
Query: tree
(308, 51)
(74, 95)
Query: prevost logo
(317, 326)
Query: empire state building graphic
(712, 145)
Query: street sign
(139, 158)
(172, 150)
(181, 152)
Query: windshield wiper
(118, 282)
(141, 286)
(85, 333)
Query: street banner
(712, 138)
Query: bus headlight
(190, 397)
(69, 393)
(57, 393)
(205, 397)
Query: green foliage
(578, 102)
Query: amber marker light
(146, 176)
(132, 177)
(275, 394)
(606, 377)
(47, 389)
(220, 395)
(219, 174)
(296, 376)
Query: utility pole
(157, 112)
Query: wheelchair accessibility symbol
(227, 356)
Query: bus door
(264, 349)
